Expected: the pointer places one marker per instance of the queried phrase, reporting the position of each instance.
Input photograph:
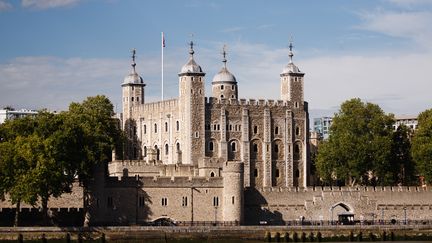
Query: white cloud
(45, 4)
(414, 25)
(5, 6)
(410, 3)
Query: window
(297, 173)
(255, 129)
(232, 199)
(255, 147)
(232, 96)
(277, 173)
(178, 147)
(164, 201)
(276, 148)
(177, 125)
(222, 96)
(297, 131)
(222, 87)
(218, 127)
(110, 202)
(196, 134)
(155, 128)
(166, 149)
(166, 126)
(145, 151)
(276, 130)
(141, 201)
(184, 201)
(230, 127)
(215, 201)
(233, 146)
(192, 78)
(137, 98)
(255, 172)
(211, 146)
(212, 174)
(132, 98)
(233, 87)
(145, 129)
(134, 131)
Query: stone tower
(224, 84)
(233, 191)
(297, 155)
(292, 82)
(132, 96)
(192, 110)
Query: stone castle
(225, 160)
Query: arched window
(212, 174)
(222, 87)
(233, 146)
(166, 149)
(222, 96)
(145, 151)
(157, 152)
(166, 126)
(178, 125)
(211, 146)
(178, 147)
(296, 151)
(276, 130)
(145, 129)
(155, 128)
(255, 129)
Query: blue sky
(53, 52)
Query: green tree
(422, 146)
(15, 143)
(402, 165)
(100, 136)
(359, 146)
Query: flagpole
(162, 71)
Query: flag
(163, 39)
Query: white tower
(132, 96)
(224, 85)
(192, 110)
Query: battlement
(158, 105)
(247, 102)
(345, 189)
(180, 182)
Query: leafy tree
(100, 135)
(359, 146)
(402, 165)
(422, 146)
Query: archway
(343, 212)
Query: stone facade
(198, 159)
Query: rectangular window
(184, 201)
(109, 202)
(164, 201)
(232, 200)
(215, 201)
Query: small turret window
(132, 98)
(232, 87)
(233, 146)
(215, 201)
(276, 130)
(212, 174)
(222, 87)
(166, 126)
(166, 149)
(155, 128)
(255, 129)
(178, 125)
(145, 129)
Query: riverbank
(205, 233)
